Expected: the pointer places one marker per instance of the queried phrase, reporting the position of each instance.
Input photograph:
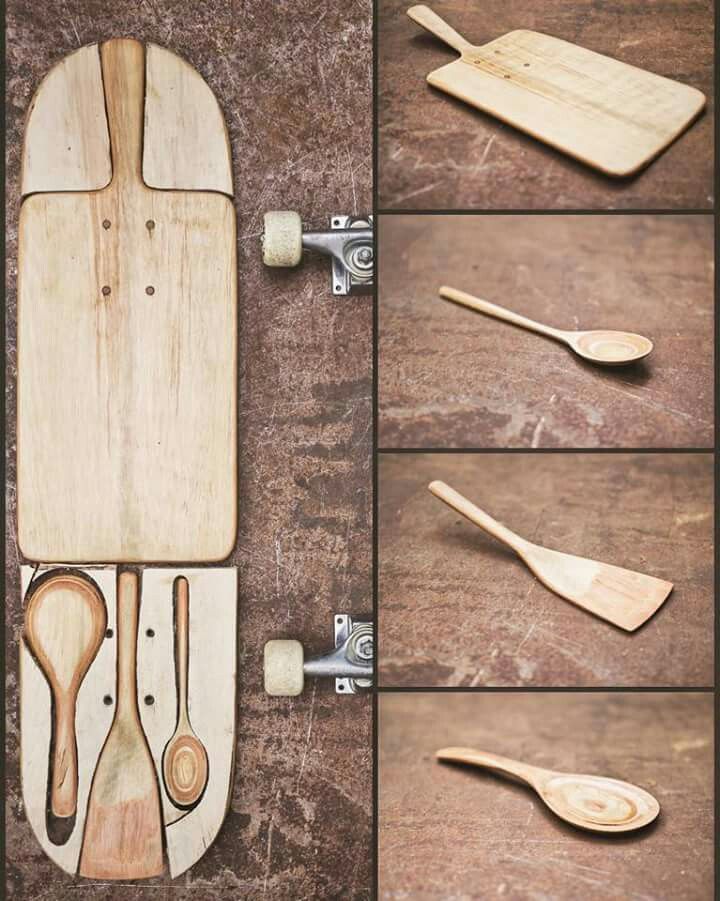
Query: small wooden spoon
(185, 761)
(621, 596)
(590, 802)
(600, 346)
(65, 625)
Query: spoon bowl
(596, 803)
(609, 348)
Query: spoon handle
(491, 309)
(64, 780)
(490, 761)
(477, 516)
(182, 626)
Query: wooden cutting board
(126, 314)
(605, 113)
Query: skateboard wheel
(284, 675)
(282, 239)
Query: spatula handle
(437, 26)
(492, 309)
(489, 761)
(477, 516)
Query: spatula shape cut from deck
(596, 803)
(605, 113)
(123, 836)
(622, 597)
(127, 338)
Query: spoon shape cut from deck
(596, 803)
(622, 597)
(185, 761)
(600, 346)
(65, 625)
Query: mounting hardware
(350, 662)
(349, 244)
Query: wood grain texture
(622, 597)
(186, 145)
(64, 628)
(464, 833)
(591, 802)
(442, 586)
(611, 116)
(93, 718)
(134, 326)
(185, 760)
(305, 392)
(66, 143)
(451, 378)
(440, 153)
(123, 833)
(212, 689)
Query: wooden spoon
(123, 836)
(185, 761)
(590, 802)
(65, 625)
(600, 346)
(621, 596)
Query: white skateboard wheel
(282, 239)
(284, 675)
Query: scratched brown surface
(457, 608)
(436, 152)
(464, 833)
(451, 377)
(294, 83)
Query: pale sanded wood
(186, 144)
(65, 625)
(66, 145)
(123, 834)
(601, 346)
(211, 695)
(620, 596)
(596, 803)
(92, 722)
(185, 761)
(605, 113)
(130, 330)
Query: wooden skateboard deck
(126, 314)
(605, 113)
(186, 834)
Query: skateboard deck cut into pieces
(127, 337)
(603, 112)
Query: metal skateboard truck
(349, 244)
(350, 662)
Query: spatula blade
(622, 597)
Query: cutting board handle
(424, 16)
(123, 71)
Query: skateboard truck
(350, 662)
(348, 243)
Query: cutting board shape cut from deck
(126, 314)
(603, 112)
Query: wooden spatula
(590, 802)
(123, 827)
(622, 597)
(65, 625)
(603, 112)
